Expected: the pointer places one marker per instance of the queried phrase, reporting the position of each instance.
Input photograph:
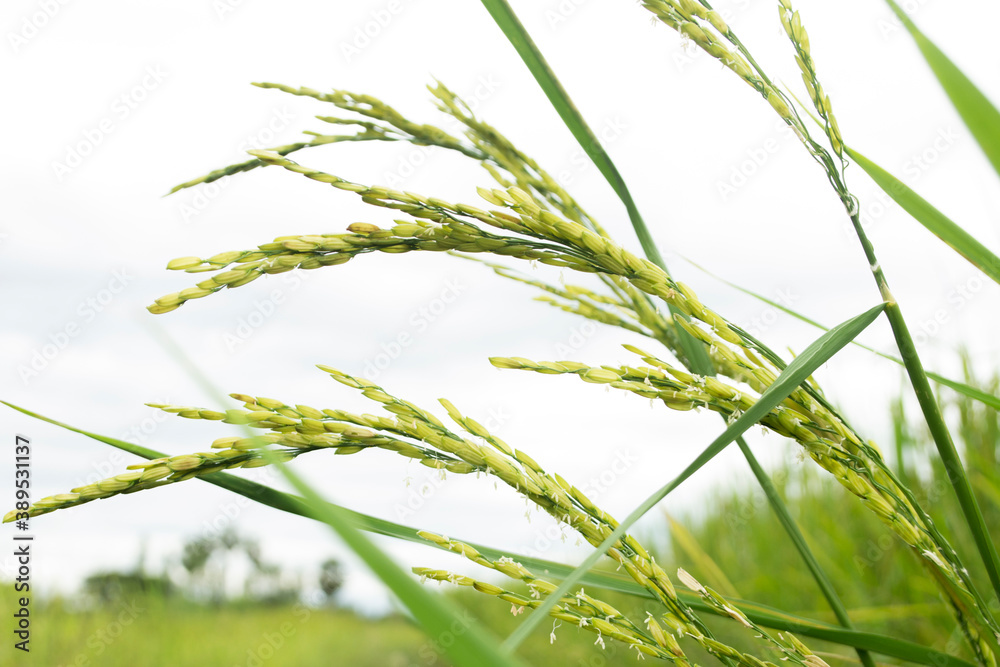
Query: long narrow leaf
(960, 387)
(519, 38)
(758, 613)
(799, 540)
(977, 112)
(468, 645)
(934, 220)
(794, 374)
(949, 457)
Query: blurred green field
(152, 632)
(736, 546)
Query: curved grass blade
(798, 539)
(977, 112)
(814, 356)
(472, 647)
(934, 220)
(519, 38)
(960, 387)
(759, 613)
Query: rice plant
(696, 358)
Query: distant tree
(110, 587)
(208, 559)
(331, 577)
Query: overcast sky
(111, 103)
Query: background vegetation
(736, 538)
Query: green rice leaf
(437, 615)
(519, 38)
(794, 374)
(977, 112)
(511, 26)
(960, 387)
(759, 613)
(934, 220)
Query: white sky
(678, 127)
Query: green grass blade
(960, 387)
(759, 613)
(934, 220)
(265, 495)
(138, 450)
(814, 356)
(471, 647)
(788, 523)
(866, 641)
(946, 450)
(519, 38)
(977, 112)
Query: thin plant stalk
(437, 615)
(695, 355)
(802, 367)
(519, 38)
(932, 415)
(757, 612)
(788, 523)
(961, 387)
